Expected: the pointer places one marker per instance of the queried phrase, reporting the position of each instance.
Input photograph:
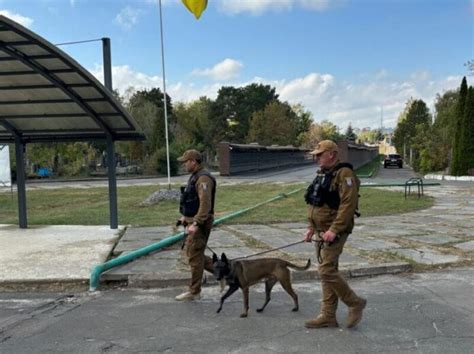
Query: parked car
(393, 160)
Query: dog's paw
(295, 309)
(259, 310)
(218, 310)
(243, 315)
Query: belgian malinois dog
(245, 273)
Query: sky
(347, 61)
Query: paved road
(415, 313)
(385, 175)
(296, 174)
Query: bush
(159, 157)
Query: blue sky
(343, 60)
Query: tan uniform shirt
(204, 188)
(339, 221)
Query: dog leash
(320, 245)
(267, 251)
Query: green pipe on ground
(99, 269)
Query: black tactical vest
(318, 193)
(189, 202)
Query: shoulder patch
(349, 181)
(203, 186)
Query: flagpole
(164, 98)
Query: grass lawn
(371, 168)
(71, 206)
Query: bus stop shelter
(46, 96)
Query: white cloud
(124, 77)
(128, 17)
(422, 75)
(341, 102)
(258, 7)
(361, 103)
(22, 20)
(225, 70)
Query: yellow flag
(197, 7)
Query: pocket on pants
(195, 244)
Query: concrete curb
(450, 178)
(157, 280)
(45, 285)
(160, 280)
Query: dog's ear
(224, 258)
(214, 258)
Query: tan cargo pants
(198, 261)
(334, 286)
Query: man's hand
(328, 236)
(309, 234)
(192, 229)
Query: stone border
(450, 178)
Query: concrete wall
(240, 158)
(356, 154)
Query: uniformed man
(332, 201)
(197, 209)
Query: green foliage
(431, 155)
(161, 162)
(276, 124)
(467, 140)
(64, 159)
(325, 130)
(457, 165)
(350, 135)
(195, 127)
(234, 107)
(412, 125)
(445, 107)
(147, 108)
(304, 118)
(370, 136)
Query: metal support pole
(111, 163)
(164, 98)
(20, 182)
(112, 183)
(107, 63)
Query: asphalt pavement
(430, 312)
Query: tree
(445, 118)
(276, 124)
(325, 130)
(467, 138)
(303, 122)
(234, 107)
(148, 110)
(350, 135)
(147, 107)
(415, 113)
(195, 127)
(456, 164)
(370, 136)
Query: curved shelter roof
(45, 95)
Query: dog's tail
(294, 266)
